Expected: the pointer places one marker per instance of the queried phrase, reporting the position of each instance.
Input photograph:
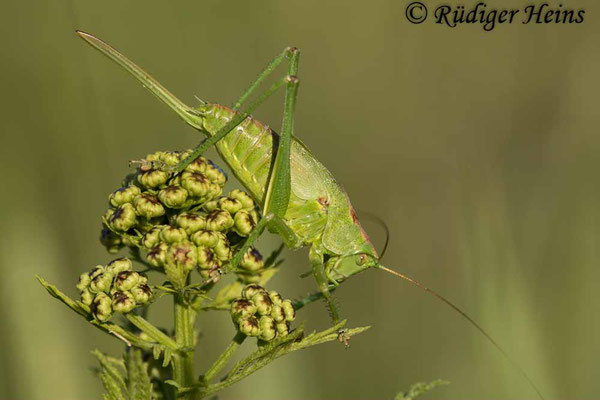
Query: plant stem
(183, 363)
(151, 331)
(218, 365)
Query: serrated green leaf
(139, 385)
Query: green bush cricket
(300, 199)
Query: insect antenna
(471, 321)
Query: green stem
(152, 331)
(218, 365)
(183, 363)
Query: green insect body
(300, 199)
(319, 211)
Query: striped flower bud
(283, 328)
(171, 234)
(141, 294)
(153, 178)
(230, 205)
(148, 206)
(242, 197)
(191, 222)
(249, 291)
(169, 158)
(102, 307)
(119, 265)
(126, 280)
(275, 297)
(243, 223)
(249, 326)
(87, 297)
(288, 310)
(268, 328)
(123, 218)
(123, 302)
(173, 196)
(263, 303)
(101, 282)
(207, 259)
(277, 313)
(241, 309)
(211, 205)
(222, 249)
(156, 257)
(252, 261)
(123, 195)
(152, 237)
(198, 165)
(218, 220)
(215, 173)
(84, 281)
(196, 183)
(110, 240)
(183, 255)
(206, 238)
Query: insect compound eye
(361, 259)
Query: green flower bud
(207, 259)
(123, 195)
(230, 204)
(87, 297)
(119, 265)
(205, 238)
(249, 326)
(183, 255)
(97, 270)
(277, 313)
(102, 307)
(283, 328)
(152, 237)
(242, 309)
(263, 303)
(211, 205)
(123, 302)
(218, 220)
(243, 223)
(215, 190)
(156, 257)
(191, 222)
(141, 294)
(123, 218)
(173, 196)
(171, 234)
(275, 297)
(222, 249)
(268, 328)
(252, 261)
(251, 290)
(198, 165)
(126, 280)
(101, 282)
(288, 310)
(244, 198)
(153, 178)
(215, 174)
(169, 158)
(196, 183)
(148, 206)
(110, 240)
(84, 281)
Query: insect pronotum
(300, 199)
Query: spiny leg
(293, 55)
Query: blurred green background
(479, 150)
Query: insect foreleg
(318, 270)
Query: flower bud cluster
(114, 287)
(182, 220)
(262, 314)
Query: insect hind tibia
(471, 321)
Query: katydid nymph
(300, 199)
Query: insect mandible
(300, 199)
